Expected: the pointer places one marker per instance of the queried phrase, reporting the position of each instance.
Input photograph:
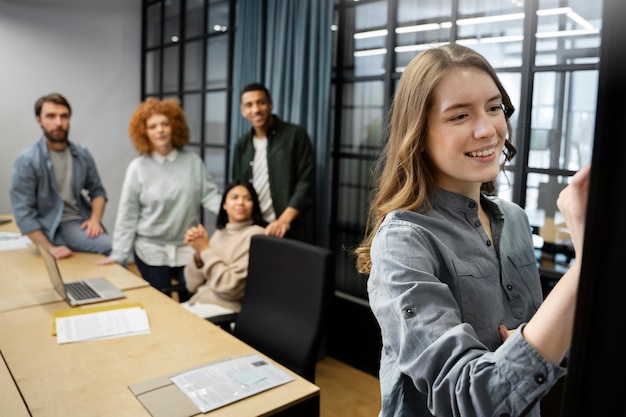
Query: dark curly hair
(171, 109)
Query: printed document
(220, 383)
(102, 325)
(11, 241)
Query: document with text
(12, 241)
(220, 383)
(102, 325)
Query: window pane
(505, 184)
(512, 82)
(215, 118)
(171, 32)
(192, 103)
(563, 119)
(335, 40)
(194, 21)
(193, 65)
(218, 16)
(420, 11)
(421, 24)
(209, 217)
(568, 32)
(170, 68)
(153, 25)
(365, 39)
(355, 178)
(217, 62)
(347, 279)
(215, 163)
(495, 29)
(153, 72)
(362, 117)
(542, 192)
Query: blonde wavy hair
(404, 176)
(171, 109)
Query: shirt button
(509, 287)
(488, 242)
(471, 204)
(477, 223)
(540, 379)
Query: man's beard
(56, 135)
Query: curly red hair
(171, 109)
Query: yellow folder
(86, 310)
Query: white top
(161, 198)
(261, 180)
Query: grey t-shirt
(62, 167)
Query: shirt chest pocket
(524, 267)
(478, 293)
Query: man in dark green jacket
(278, 158)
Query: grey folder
(162, 398)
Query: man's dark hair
(255, 87)
(55, 98)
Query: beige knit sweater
(222, 278)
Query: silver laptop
(80, 292)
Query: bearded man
(57, 197)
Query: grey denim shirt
(35, 201)
(439, 289)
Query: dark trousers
(160, 277)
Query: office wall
(89, 51)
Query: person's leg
(76, 238)
(179, 274)
(160, 277)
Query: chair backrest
(285, 305)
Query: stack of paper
(11, 241)
(100, 322)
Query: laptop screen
(53, 271)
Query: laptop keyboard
(80, 290)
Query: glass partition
(568, 32)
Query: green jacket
(291, 170)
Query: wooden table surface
(91, 378)
(24, 281)
(11, 403)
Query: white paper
(206, 310)
(221, 383)
(11, 241)
(102, 325)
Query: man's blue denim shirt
(35, 201)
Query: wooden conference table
(39, 377)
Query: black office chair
(286, 301)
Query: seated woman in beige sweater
(217, 273)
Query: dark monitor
(597, 366)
